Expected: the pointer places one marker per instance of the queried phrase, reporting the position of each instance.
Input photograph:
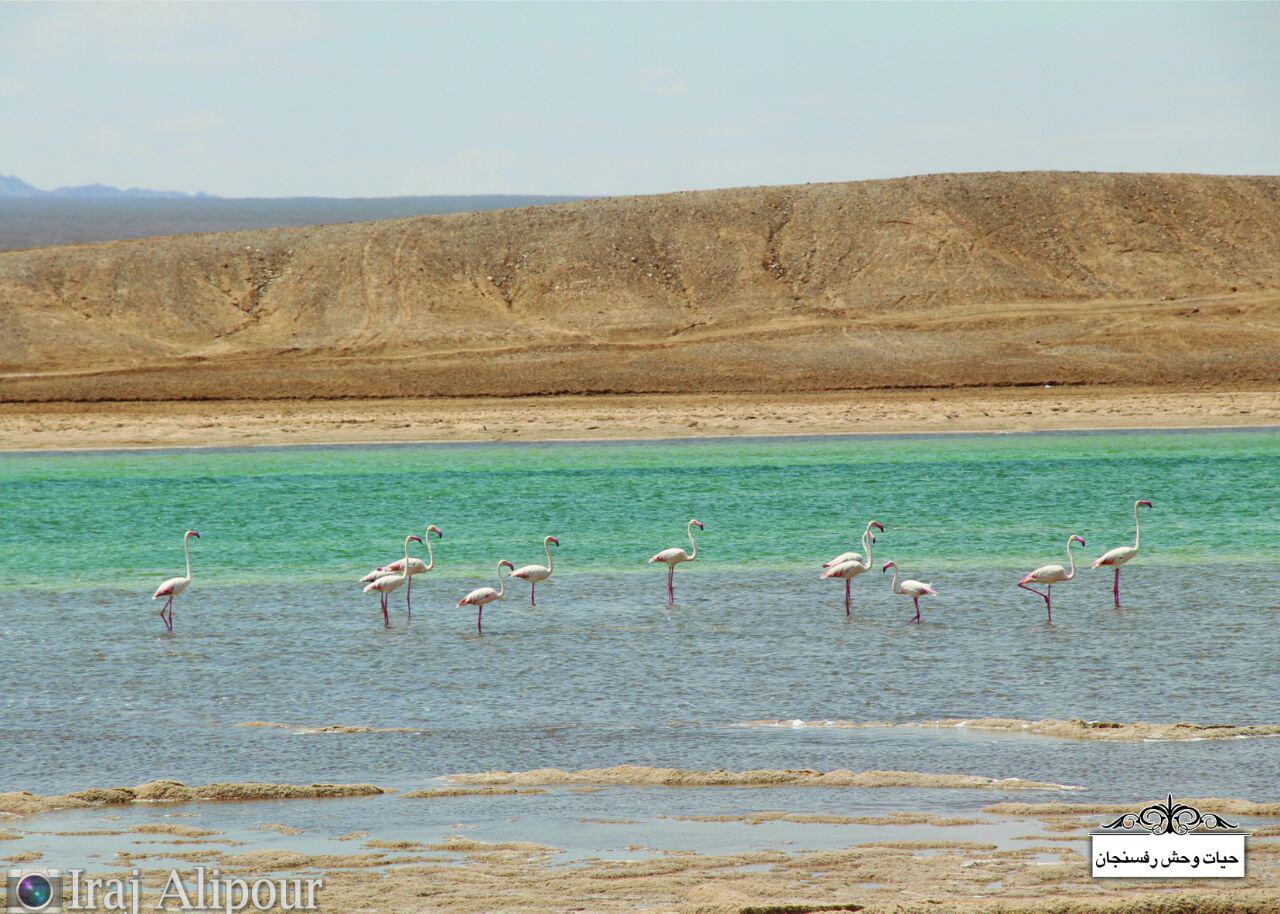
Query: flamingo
(848, 565)
(536, 573)
(913, 589)
(416, 565)
(1050, 575)
(174, 586)
(674, 556)
(1121, 554)
(483, 596)
(391, 582)
(855, 556)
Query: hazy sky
(352, 100)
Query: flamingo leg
(386, 620)
(171, 614)
(1116, 589)
(408, 596)
(671, 584)
(1048, 600)
(479, 620)
(533, 594)
(917, 602)
(847, 582)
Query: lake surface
(93, 691)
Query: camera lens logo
(32, 891)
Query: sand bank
(877, 877)
(1227, 806)
(897, 818)
(24, 803)
(75, 425)
(761, 777)
(1075, 728)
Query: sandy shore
(66, 426)
(1008, 856)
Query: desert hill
(944, 280)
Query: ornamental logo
(1168, 841)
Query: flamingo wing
(670, 556)
(1117, 556)
(533, 573)
(842, 558)
(373, 575)
(849, 569)
(1046, 574)
(171, 588)
(386, 583)
(917, 588)
(416, 565)
(479, 597)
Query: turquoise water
(602, 672)
(292, 515)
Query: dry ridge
(944, 280)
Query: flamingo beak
(415, 539)
(879, 526)
(873, 538)
(1145, 503)
(194, 533)
(556, 541)
(699, 523)
(886, 567)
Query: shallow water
(602, 672)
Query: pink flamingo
(416, 565)
(1121, 554)
(174, 586)
(391, 582)
(855, 556)
(535, 574)
(674, 556)
(483, 596)
(1050, 575)
(913, 589)
(848, 565)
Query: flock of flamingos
(386, 579)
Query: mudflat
(66, 426)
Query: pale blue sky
(345, 100)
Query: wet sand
(1074, 729)
(77, 425)
(636, 775)
(1009, 857)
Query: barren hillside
(983, 279)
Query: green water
(315, 514)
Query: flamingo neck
(426, 538)
(186, 548)
(867, 541)
(1071, 558)
(502, 582)
(404, 572)
(1137, 528)
(547, 544)
(694, 542)
(893, 585)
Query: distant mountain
(33, 218)
(13, 186)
